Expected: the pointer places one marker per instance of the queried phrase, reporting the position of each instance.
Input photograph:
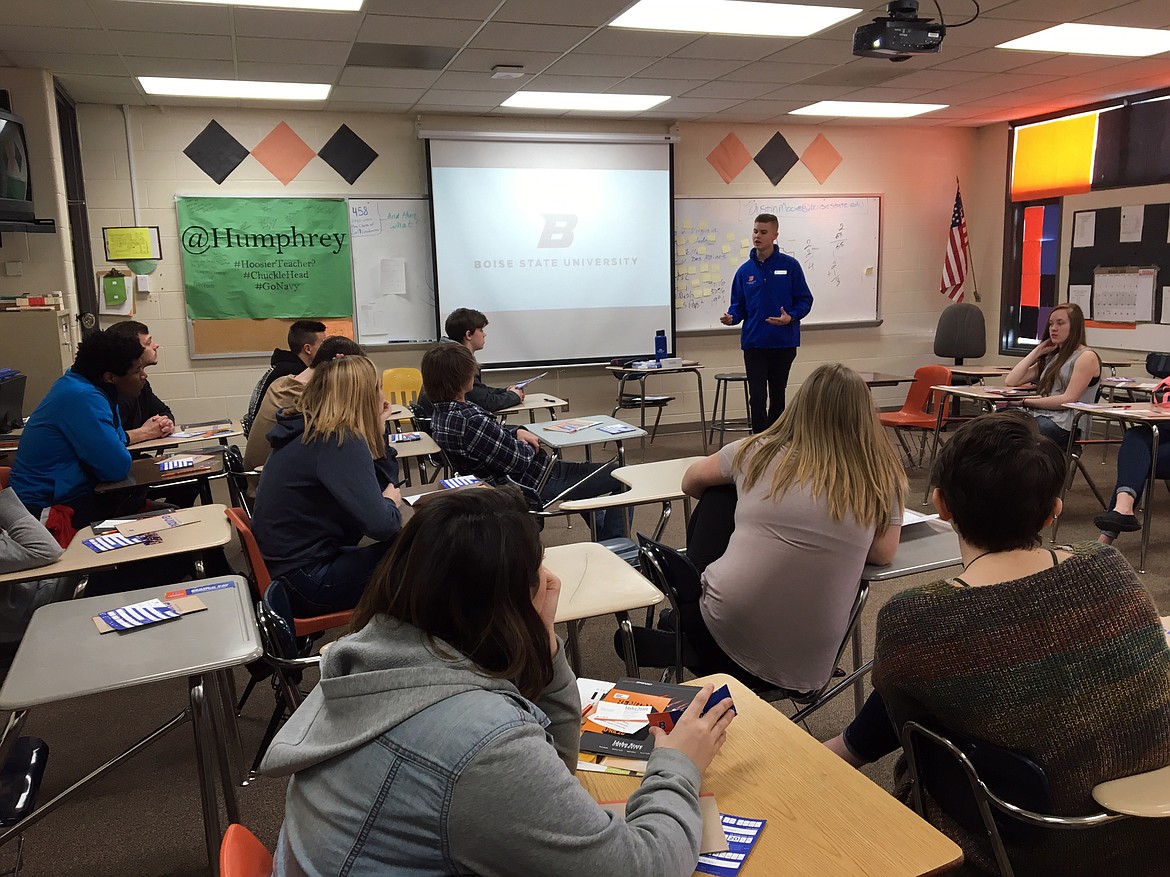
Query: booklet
(112, 541)
(617, 428)
(570, 425)
(405, 437)
(742, 834)
(619, 722)
(520, 385)
(146, 613)
(158, 523)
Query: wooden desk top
(535, 401)
(824, 817)
(219, 431)
(595, 581)
(591, 435)
(648, 483)
(1129, 384)
(406, 450)
(977, 391)
(1136, 412)
(145, 473)
(211, 530)
(978, 371)
(880, 379)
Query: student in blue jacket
(330, 481)
(74, 439)
(770, 297)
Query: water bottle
(660, 345)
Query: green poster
(265, 257)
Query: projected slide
(566, 247)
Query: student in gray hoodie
(443, 736)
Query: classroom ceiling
(377, 59)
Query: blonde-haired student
(328, 483)
(819, 494)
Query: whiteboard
(836, 239)
(393, 278)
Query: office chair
(960, 333)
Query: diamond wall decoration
(347, 154)
(820, 158)
(776, 158)
(216, 152)
(283, 153)
(729, 158)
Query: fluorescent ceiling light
(579, 100)
(233, 88)
(1094, 39)
(732, 17)
(866, 109)
(319, 5)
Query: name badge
(783, 271)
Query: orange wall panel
(1054, 158)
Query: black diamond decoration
(216, 152)
(776, 158)
(347, 154)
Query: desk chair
(919, 411)
(242, 855)
(992, 792)
(640, 401)
(20, 784)
(401, 386)
(960, 333)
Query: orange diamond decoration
(283, 153)
(821, 158)
(729, 158)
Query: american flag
(956, 262)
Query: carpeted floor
(145, 817)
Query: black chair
(20, 784)
(960, 333)
(990, 791)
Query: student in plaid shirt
(478, 444)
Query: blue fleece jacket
(759, 291)
(72, 441)
(315, 499)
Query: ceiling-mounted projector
(899, 35)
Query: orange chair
(920, 410)
(260, 579)
(242, 855)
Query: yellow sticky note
(743, 254)
(745, 242)
(680, 251)
(702, 251)
(711, 237)
(726, 249)
(705, 268)
(716, 272)
(692, 238)
(731, 235)
(686, 223)
(691, 269)
(869, 271)
(695, 281)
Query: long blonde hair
(830, 442)
(343, 397)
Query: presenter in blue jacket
(770, 297)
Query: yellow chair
(401, 386)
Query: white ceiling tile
(775, 73)
(1046, 11)
(814, 51)
(648, 43)
(732, 48)
(696, 105)
(389, 78)
(272, 71)
(460, 81)
(163, 17)
(362, 107)
(931, 79)
(441, 97)
(163, 45)
(690, 68)
(767, 108)
(990, 61)
(98, 65)
(725, 88)
(549, 82)
(48, 13)
(506, 35)
(1073, 65)
(191, 68)
(594, 13)
(409, 31)
(987, 32)
(1143, 13)
(53, 39)
(101, 89)
(645, 85)
(468, 9)
(369, 94)
(582, 64)
(483, 60)
(295, 25)
(303, 51)
(883, 94)
(808, 94)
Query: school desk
(418, 451)
(62, 656)
(824, 817)
(880, 379)
(219, 430)
(146, 473)
(595, 581)
(649, 483)
(210, 530)
(532, 403)
(641, 374)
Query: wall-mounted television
(16, 204)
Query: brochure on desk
(629, 692)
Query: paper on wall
(1165, 305)
(1084, 228)
(392, 279)
(1132, 220)
(1081, 295)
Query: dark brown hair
(1000, 478)
(768, 218)
(463, 320)
(464, 570)
(303, 332)
(446, 369)
(333, 347)
(1051, 364)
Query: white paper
(1084, 228)
(1165, 305)
(1081, 294)
(392, 280)
(591, 690)
(1132, 220)
(625, 718)
(1144, 312)
(374, 317)
(1115, 297)
(909, 516)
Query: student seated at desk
(286, 392)
(1058, 654)
(820, 494)
(329, 482)
(477, 444)
(1063, 369)
(25, 544)
(1133, 471)
(444, 734)
(74, 439)
(466, 326)
(144, 416)
(304, 337)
